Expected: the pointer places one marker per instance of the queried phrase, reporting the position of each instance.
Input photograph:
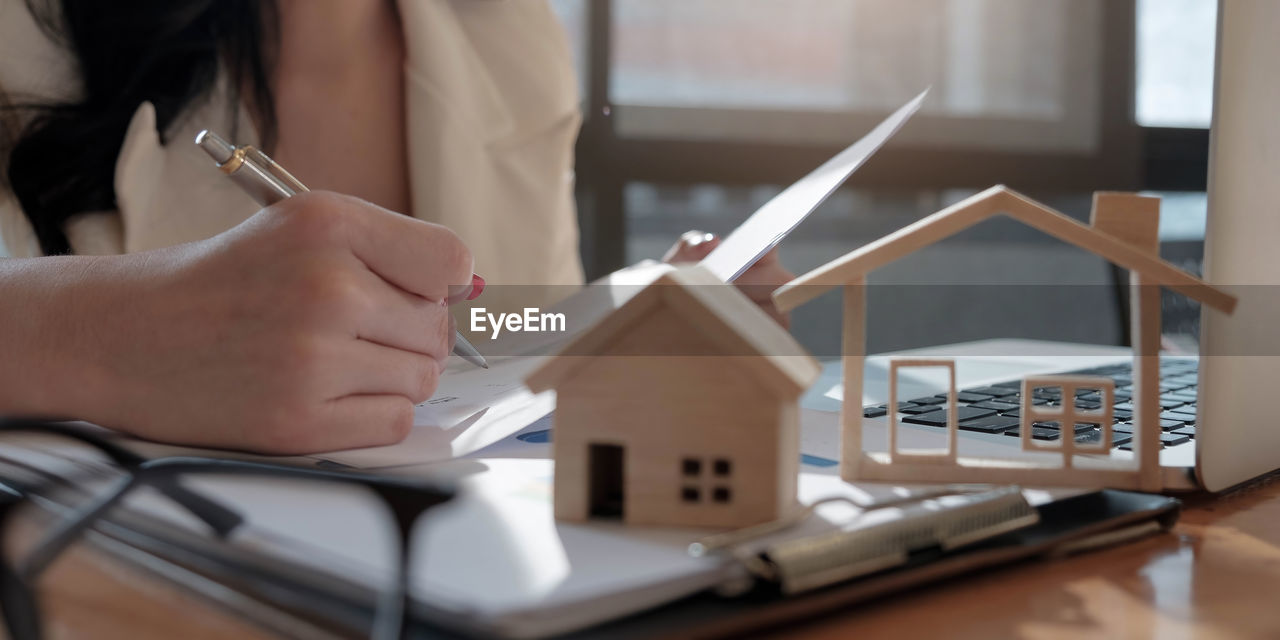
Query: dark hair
(168, 52)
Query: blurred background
(698, 111)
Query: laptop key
(1170, 439)
(1165, 425)
(917, 408)
(1016, 398)
(1189, 432)
(1178, 416)
(1094, 437)
(903, 407)
(990, 424)
(986, 391)
(1037, 433)
(1081, 427)
(1097, 397)
(939, 418)
(928, 400)
(998, 405)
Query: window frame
(1127, 156)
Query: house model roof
(718, 312)
(988, 204)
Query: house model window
(706, 481)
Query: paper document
(470, 410)
(779, 216)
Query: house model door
(605, 467)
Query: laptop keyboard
(995, 408)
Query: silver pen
(269, 183)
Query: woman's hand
(315, 325)
(758, 282)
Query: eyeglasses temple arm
(221, 519)
(21, 612)
(70, 529)
(406, 509)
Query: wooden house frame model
(679, 408)
(1123, 230)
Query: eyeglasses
(405, 499)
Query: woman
(312, 325)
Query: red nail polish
(477, 287)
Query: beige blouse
(492, 117)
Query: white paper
(779, 216)
(469, 411)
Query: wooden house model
(1123, 229)
(679, 408)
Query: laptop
(1218, 427)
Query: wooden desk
(1216, 576)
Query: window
(711, 106)
(710, 479)
(1005, 73)
(573, 13)
(692, 467)
(1175, 53)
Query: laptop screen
(1240, 354)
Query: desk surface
(1215, 576)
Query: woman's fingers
(766, 275)
(692, 247)
(424, 259)
(401, 320)
(761, 280)
(374, 369)
(361, 421)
